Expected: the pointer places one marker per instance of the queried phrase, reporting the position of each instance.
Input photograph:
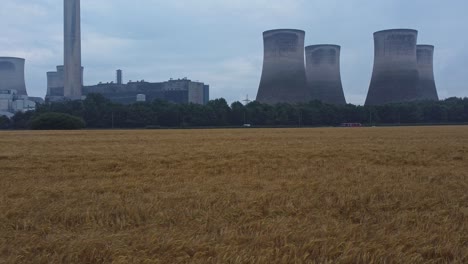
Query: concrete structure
(12, 75)
(323, 73)
(72, 50)
(119, 77)
(283, 78)
(11, 102)
(427, 87)
(395, 75)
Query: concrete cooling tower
(427, 87)
(323, 73)
(395, 75)
(12, 75)
(283, 77)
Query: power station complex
(403, 71)
(292, 73)
(66, 83)
(177, 91)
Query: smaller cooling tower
(283, 78)
(12, 75)
(395, 76)
(323, 73)
(427, 87)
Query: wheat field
(331, 195)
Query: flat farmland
(364, 195)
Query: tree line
(100, 113)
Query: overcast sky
(220, 42)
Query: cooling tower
(72, 50)
(323, 73)
(395, 75)
(55, 82)
(283, 78)
(427, 87)
(12, 75)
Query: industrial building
(177, 91)
(426, 87)
(395, 75)
(12, 75)
(73, 77)
(181, 91)
(323, 73)
(283, 77)
(129, 93)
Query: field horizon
(309, 195)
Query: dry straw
(376, 195)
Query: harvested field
(365, 195)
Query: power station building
(283, 77)
(323, 73)
(427, 87)
(395, 76)
(181, 91)
(12, 75)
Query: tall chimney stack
(119, 76)
(72, 50)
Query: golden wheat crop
(366, 195)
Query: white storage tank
(141, 98)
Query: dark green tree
(5, 122)
(56, 121)
(238, 114)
